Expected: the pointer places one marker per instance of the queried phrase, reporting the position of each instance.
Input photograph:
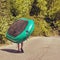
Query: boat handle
(27, 32)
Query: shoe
(22, 50)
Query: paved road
(35, 48)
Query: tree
(4, 16)
(53, 10)
(20, 7)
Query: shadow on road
(11, 50)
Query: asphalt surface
(35, 48)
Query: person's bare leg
(22, 47)
(18, 47)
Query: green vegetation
(46, 14)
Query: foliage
(21, 7)
(4, 16)
(53, 8)
(42, 4)
(42, 28)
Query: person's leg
(18, 47)
(22, 47)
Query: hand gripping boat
(20, 30)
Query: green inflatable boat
(20, 30)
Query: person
(20, 47)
